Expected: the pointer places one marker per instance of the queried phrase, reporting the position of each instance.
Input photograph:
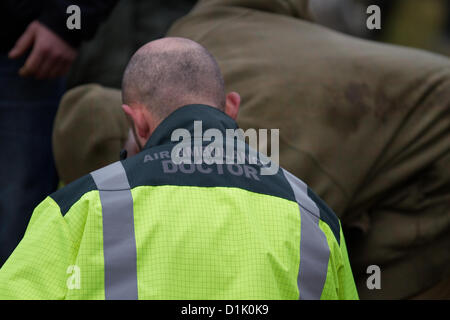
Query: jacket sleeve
(38, 267)
(339, 283)
(347, 286)
(93, 13)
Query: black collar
(184, 117)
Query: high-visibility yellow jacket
(146, 228)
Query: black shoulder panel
(327, 215)
(67, 196)
(153, 167)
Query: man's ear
(232, 105)
(141, 126)
(128, 111)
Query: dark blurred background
(131, 24)
(414, 23)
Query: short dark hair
(167, 78)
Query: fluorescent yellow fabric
(246, 248)
(37, 268)
(339, 284)
(192, 243)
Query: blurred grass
(418, 24)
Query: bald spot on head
(167, 74)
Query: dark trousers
(27, 170)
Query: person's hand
(51, 56)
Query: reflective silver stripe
(119, 244)
(314, 249)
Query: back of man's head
(169, 73)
